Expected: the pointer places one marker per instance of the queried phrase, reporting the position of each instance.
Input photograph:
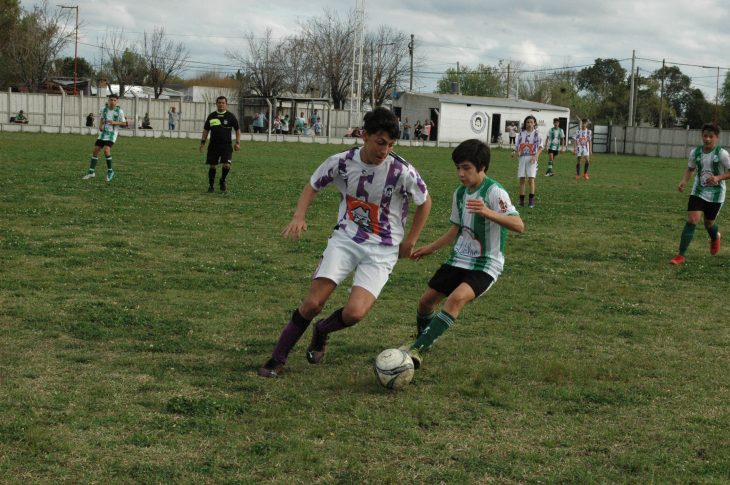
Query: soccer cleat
(271, 368)
(715, 245)
(549, 174)
(211, 189)
(414, 354)
(531, 206)
(223, 185)
(577, 177)
(89, 175)
(585, 176)
(109, 175)
(317, 347)
(678, 259)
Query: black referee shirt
(220, 125)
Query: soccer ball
(393, 369)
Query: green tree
(676, 93)
(482, 81)
(64, 67)
(9, 20)
(698, 110)
(605, 82)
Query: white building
(457, 118)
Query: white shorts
(372, 263)
(527, 169)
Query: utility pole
(357, 54)
(76, 46)
(458, 79)
(631, 97)
(508, 80)
(661, 97)
(410, 52)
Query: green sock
(92, 164)
(109, 163)
(439, 324)
(550, 166)
(713, 231)
(422, 321)
(687, 234)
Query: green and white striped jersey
(109, 132)
(480, 242)
(716, 162)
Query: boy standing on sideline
(528, 147)
(712, 164)
(376, 187)
(554, 141)
(583, 148)
(512, 132)
(111, 117)
(220, 123)
(481, 214)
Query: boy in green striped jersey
(712, 164)
(554, 141)
(481, 214)
(111, 117)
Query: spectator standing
(285, 125)
(90, 119)
(407, 130)
(172, 116)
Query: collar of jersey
(221, 112)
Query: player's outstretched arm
(685, 177)
(420, 216)
(298, 223)
(446, 239)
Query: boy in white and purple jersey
(528, 148)
(583, 148)
(376, 188)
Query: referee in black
(220, 123)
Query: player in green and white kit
(481, 214)
(554, 141)
(712, 164)
(111, 117)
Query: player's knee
(353, 315)
(226, 166)
(311, 308)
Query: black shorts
(447, 278)
(104, 143)
(219, 154)
(553, 152)
(709, 209)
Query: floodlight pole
(76, 44)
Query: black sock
(224, 173)
(211, 176)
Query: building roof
(486, 101)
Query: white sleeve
(499, 201)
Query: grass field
(133, 317)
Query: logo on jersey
(363, 214)
(468, 245)
(478, 122)
(503, 206)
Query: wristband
(202, 142)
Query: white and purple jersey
(373, 198)
(583, 142)
(528, 143)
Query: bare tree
(125, 65)
(37, 39)
(163, 57)
(386, 51)
(329, 40)
(263, 64)
(301, 74)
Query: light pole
(76, 45)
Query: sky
(536, 35)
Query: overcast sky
(537, 34)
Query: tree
(65, 68)
(386, 48)
(677, 91)
(163, 58)
(125, 65)
(9, 20)
(37, 39)
(482, 81)
(698, 110)
(605, 82)
(263, 64)
(331, 40)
